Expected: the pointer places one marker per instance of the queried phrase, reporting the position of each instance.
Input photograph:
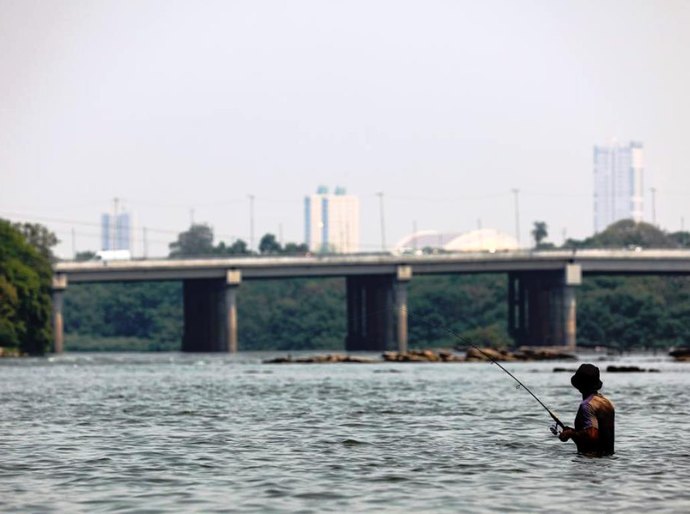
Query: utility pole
(114, 229)
(517, 216)
(653, 206)
(383, 222)
(251, 222)
(480, 233)
(146, 245)
(74, 246)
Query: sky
(182, 110)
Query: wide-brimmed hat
(586, 378)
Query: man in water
(594, 423)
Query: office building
(618, 183)
(331, 221)
(116, 231)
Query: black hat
(586, 378)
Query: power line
(92, 224)
(445, 198)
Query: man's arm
(586, 437)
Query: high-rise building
(116, 231)
(618, 183)
(331, 221)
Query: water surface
(216, 433)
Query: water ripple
(171, 432)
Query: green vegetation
(287, 314)
(78, 343)
(633, 311)
(620, 311)
(539, 233)
(197, 241)
(626, 234)
(25, 280)
(296, 314)
(473, 306)
(299, 314)
(119, 314)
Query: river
(175, 432)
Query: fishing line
(372, 313)
(558, 422)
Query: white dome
(486, 239)
(422, 239)
(482, 240)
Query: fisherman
(594, 423)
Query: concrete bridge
(540, 297)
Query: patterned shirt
(596, 411)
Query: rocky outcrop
(422, 356)
(472, 355)
(543, 354)
(681, 354)
(9, 352)
(486, 354)
(521, 354)
(320, 359)
(613, 369)
(629, 369)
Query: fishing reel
(555, 429)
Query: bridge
(540, 298)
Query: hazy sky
(444, 106)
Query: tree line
(25, 282)
(621, 311)
(292, 314)
(198, 242)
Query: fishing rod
(559, 423)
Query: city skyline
(83, 235)
(436, 111)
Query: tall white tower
(618, 183)
(331, 221)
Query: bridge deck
(591, 261)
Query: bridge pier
(232, 282)
(542, 307)
(403, 277)
(58, 291)
(377, 311)
(210, 314)
(369, 307)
